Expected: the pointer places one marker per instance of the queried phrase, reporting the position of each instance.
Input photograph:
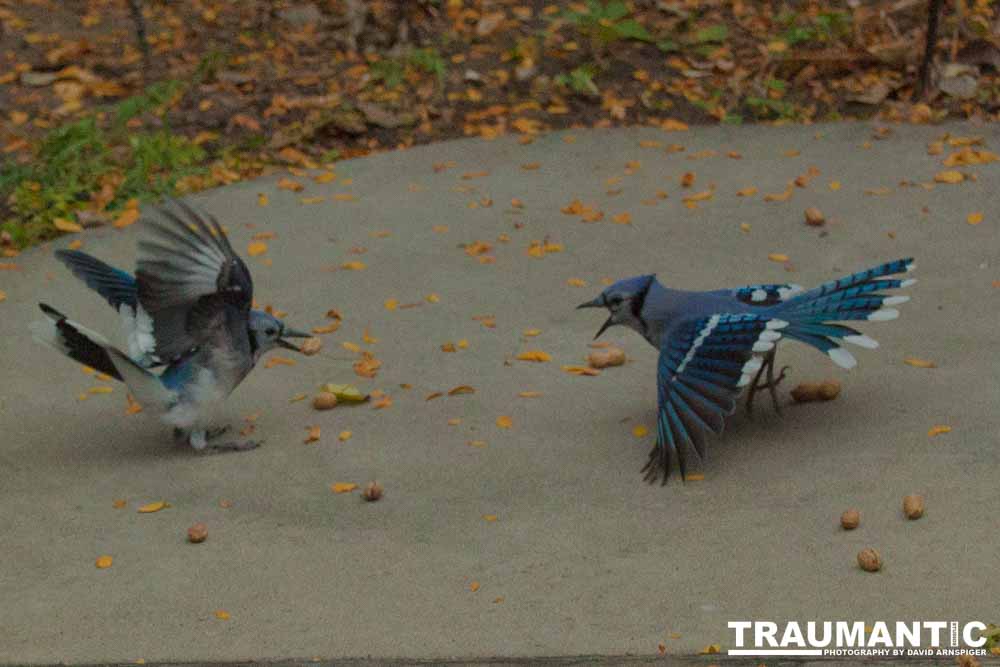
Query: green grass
(74, 161)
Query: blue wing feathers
(115, 285)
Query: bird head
(624, 301)
(267, 332)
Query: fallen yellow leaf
(256, 248)
(919, 363)
(476, 443)
(622, 218)
(504, 421)
(640, 431)
(343, 487)
(103, 562)
(777, 257)
(474, 586)
(834, 185)
(576, 282)
(262, 199)
(461, 389)
(325, 177)
(529, 394)
(353, 266)
(344, 436)
(289, 184)
(938, 430)
(974, 218)
(949, 176)
(530, 333)
(100, 390)
(711, 648)
(490, 517)
(391, 304)
(221, 615)
(534, 355)
(64, 225)
(581, 370)
(747, 191)
(278, 361)
(312, 435)
(149, 508)
(432, 298)
(128, 216)
(694, 477)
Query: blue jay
(714, 343)
(187, 309)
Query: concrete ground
(582, 557)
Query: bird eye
(270, 332)
(616, 300)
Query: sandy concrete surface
(583, 558)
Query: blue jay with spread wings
(712, 344)
(187, 310)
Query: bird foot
(771, 384)
(234, 446)
(213, 433)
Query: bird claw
(771, 384)
(234, 446)
(213, 433)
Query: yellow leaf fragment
(534, 355)
(531, 333)
(694, 477)
(312, 435)
(974, 218)
(343, 487)
(432, 298)
(529, 394)
(949, 176)
(353, 266)
(576, 282)
(128, 216)
(474, 586)
(290, 185)
(64, 225)
(640, 431)
(504, 421)
(391, 304)
(834, 185)
(919, 363)
(256, 248)
(938, 430)
(461, 389)
(149, 508)
(103, 562)
(490, 518)
(476, 443)
(278, 361)
(748, 191)
(344, 436)
(100, 390)
(711, 648)
(221, 614)
(581, 370)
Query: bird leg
(213, 433)
(771, 384)
(234, 446)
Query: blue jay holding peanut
(712, 344)
(188, 309)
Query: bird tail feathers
(813, 316)
(92, 349)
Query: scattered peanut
(814, 217)
(311, 346)
(373, 491)
(197, 533)
(325, 400)
(913, 506)
(607, 357)
(869, 560)
(816, 391)
(850, 519)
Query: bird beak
(603, 328)
(291, 333)
(595, 303)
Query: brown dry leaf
(687, 180)
(149, 508)
(461, 389)
(256, 248)
(368, 366)
(938, 430)
(783, 196)
(431, 396)
(290, 185)
(581, 370)
(312, 434)
(534, 355)
(118, 504)
(128, 216)
(327, 328)
(919, 363)
(343, 487)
